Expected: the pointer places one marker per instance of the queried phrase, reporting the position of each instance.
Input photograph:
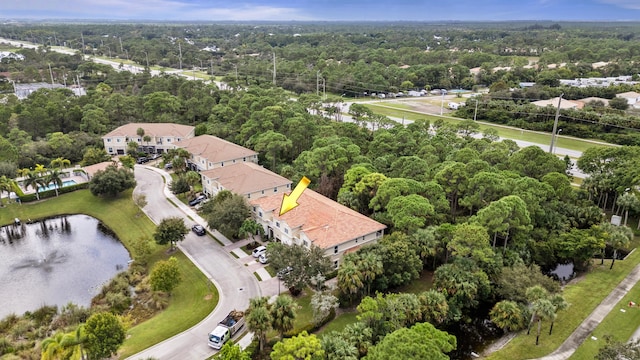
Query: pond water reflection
(56, 261)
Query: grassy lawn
(420, 285)
(583, 296)
(503, 131)
(339, 323)
(618, 324)
(191, 302)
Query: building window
(117, 140)
(277, 223)
(139, 140)
(335, 264)
(254, 209)
(244, 159)
(178, 139)
(169, 140)
(209, 164)
(259, 213)
(288, 186)
(109, 140)
(262, 192)
(379, 233)
(335, 249)
(110, 150)
(275, 189)
(221, 164)
(286, 231)
(234, 161)
(208, 181)
(306, 243)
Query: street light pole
(475, 112)
(442, 104)
(555, 124)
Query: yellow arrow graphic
(289, 202)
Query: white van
(453, 106)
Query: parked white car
(259, 251)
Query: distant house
(163, 137)
(210, 152)
(632, 97)
(10, 55)
(564, 104)
(246, 178)
(319, 221)
(587, 100)
(22, 91)
(526, 84)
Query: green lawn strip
(583, 296)
(191, 302)
(339, 323)
(618, 324)
(503, 131)
(419, 285)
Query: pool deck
(79, 179)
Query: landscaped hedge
(50, 193)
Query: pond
(56, 261)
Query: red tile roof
(214, 149)
(153, 130)
(325, 222)
(245, 178)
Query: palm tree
(23, 172)
(40, 169)
(434, 306)
(544, 310)
(53, 177)
(370, 266)
(6, 184)
(619, 238)
(507, 315)
(559, 303)
(35, 181)
(192, 178)
(52, 348)
(60, 163)
(283, 312)
(146, 139)
(350, 280)
(534, 294)
(259, 319)
(626, 201)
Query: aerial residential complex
(223, 165)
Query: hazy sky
(379, 10)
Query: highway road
(235, 284)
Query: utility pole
(274, 69)
(324, 90)
(475, 112)
(51, 74)
(318, 83)
(555, 125)
(212, 67)
(121, 48)
(82, 36)
(180, 50)
(146, 54)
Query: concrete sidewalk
(187, 209)
(572, 343)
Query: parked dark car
(284, 272)
(197, 200)
(142, 160)
(199, 230)
(168, 166)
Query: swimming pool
(53, 186)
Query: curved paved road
(236, 285)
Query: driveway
(235, 284)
